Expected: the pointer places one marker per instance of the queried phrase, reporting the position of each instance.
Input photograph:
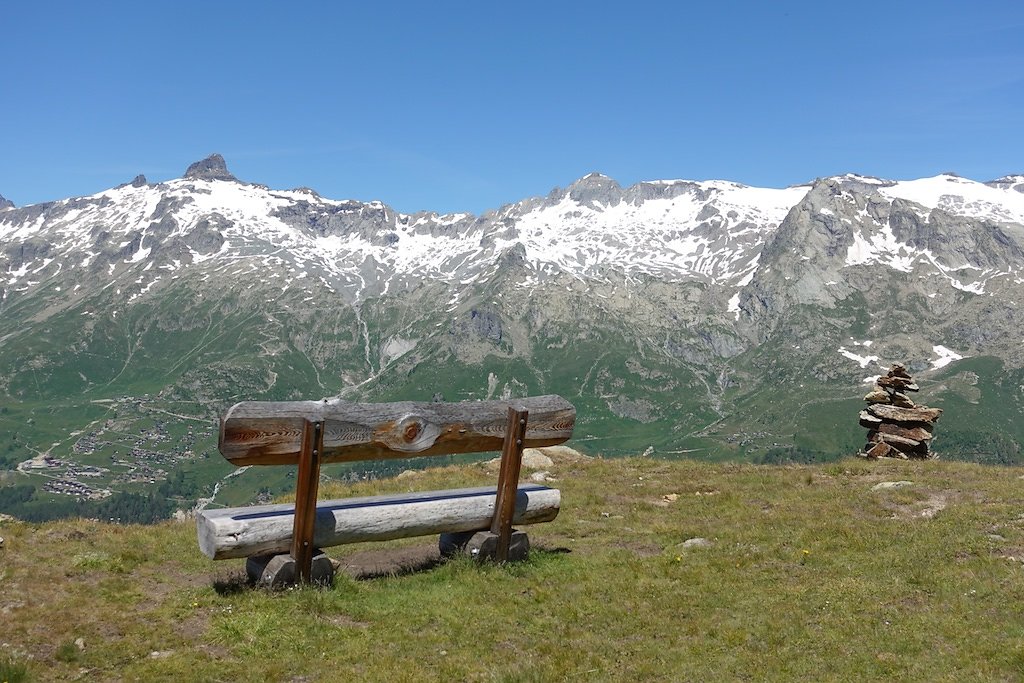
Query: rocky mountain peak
(137, 181)
(594, 180)
(6, 203)
(212, 167)
(596, 187)
(1008, 182)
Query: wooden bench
(279, 540)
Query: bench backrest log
(310, 433)
(268, 433)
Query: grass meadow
(808, 573)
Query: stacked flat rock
(897, 427)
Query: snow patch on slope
(734, 305)
(863, 361)
(881, 246)
(945, 356)
(960, 196)
(662, 236)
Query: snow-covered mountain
(680, 315)
(674, 230)
(710, 231)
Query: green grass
(12, 670)
(811, 575)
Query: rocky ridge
(680, 316)
(212, 167)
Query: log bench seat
(267, 529)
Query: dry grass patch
(807, 574)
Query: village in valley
(138, 445)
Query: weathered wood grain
(307, 481)
(270, 433)
(242, 532)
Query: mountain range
(708, 319)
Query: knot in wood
(411, 434)
(411, 431)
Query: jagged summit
(6, 203)
(212, 167)
(593, 181)
(1009, 182)
(137, 181)
(595, 187)
(595, 177)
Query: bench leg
(508, 481)
(482, 546)
(307, 481)
(279, 571)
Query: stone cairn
(897, 427)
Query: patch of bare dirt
(345, 621)
(372, 564)
(934, 504)
(166, 579)
(927, 507)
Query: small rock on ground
(697, 543)
(543, 458)
(533, 459)
(886, 485)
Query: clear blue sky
(466, 106)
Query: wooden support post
(508, 480)
(307, 481)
